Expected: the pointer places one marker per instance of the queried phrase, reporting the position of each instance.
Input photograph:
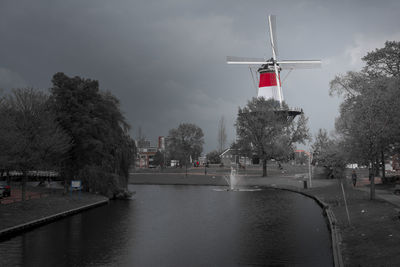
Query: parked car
(5, 189)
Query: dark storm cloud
(165, 60)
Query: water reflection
(182, 226)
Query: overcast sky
(165, 60)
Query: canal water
(182, 226)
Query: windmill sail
(247, 61)
(269, 82)
(272, 35)
(299, 64)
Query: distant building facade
(230, 157)
(146, 152)
(146, 157)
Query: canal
(182, 226)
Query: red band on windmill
(267, 79)
(268, 86)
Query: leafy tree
(264, 129)
(159, 159)
(213, 157)
(141, 139)
(384, 61)
(102, 145)
(329, 153)
(30, 137)
(185, 142)
(320, 144)
(369, 122)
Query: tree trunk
(383, 165)
(23, 186)
(376, 166)
(67, 178)
(264, 174)
(372, 182)
(186, 169)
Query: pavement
(34, 192)
(42, 206)
(384, 194)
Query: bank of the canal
(370, 239)
(20, 216)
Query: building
(161, 143)
(230, 157)
(146, 152)
(146, 157)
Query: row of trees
(368, 128)
(76, 130)
(264, 129)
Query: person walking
(354, 177)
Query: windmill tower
(269, 82)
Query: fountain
(233, 180)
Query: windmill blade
(299, 64)
(272, 35)
(246, 61)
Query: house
(146, 152)
(230, 157)
(146, 157)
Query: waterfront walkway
(18, 216)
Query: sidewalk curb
(336, 237)
(14, 230)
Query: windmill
(269, 83)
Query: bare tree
(141, 139)
(31, 139)
(221, 134)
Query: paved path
(386, 195)
(20, 215)
(292, 181)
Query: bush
(110, 185)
